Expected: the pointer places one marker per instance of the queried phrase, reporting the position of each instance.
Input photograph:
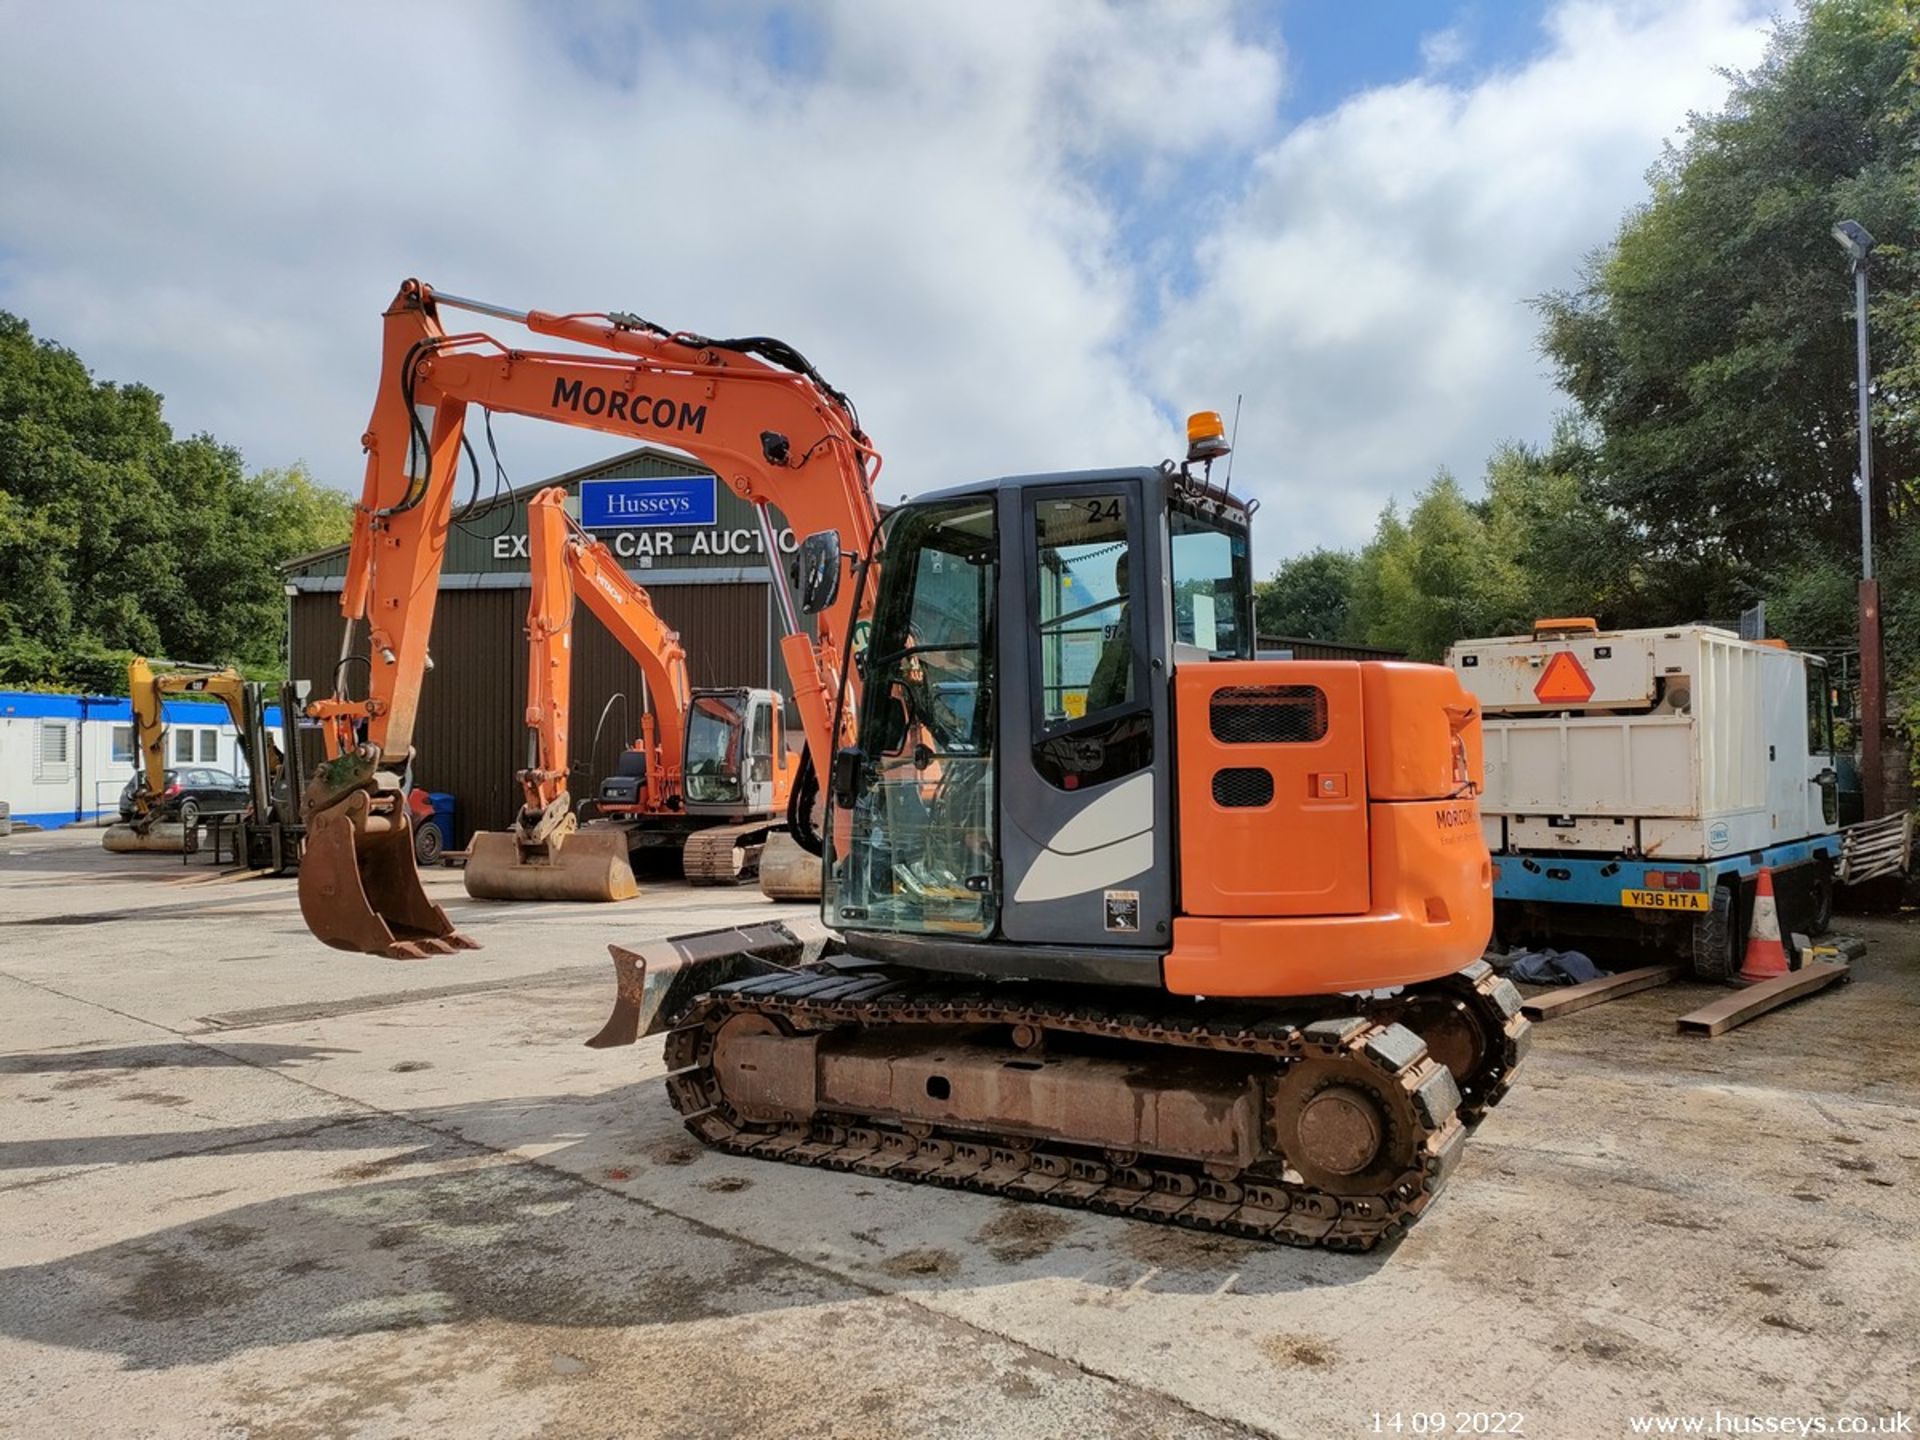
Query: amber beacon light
(1206, 436)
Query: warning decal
(1564, 682)
(1123, 911)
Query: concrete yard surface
(251, 1187)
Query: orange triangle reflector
(1564, 682)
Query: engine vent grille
(1268, 714)
(1242, 788)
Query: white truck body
(1693, 744)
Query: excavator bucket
(589, 864)
(359, 889)
(655, 983)
(157, 838)
(788, 871)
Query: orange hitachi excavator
(1118, 913)
(751, 408)
(1123, 915)
(709, 773)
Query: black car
(192, 792)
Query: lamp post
(1854, 239)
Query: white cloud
(1443, 49)
(1368, 291)
(931, 201)
(222, 201)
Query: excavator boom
(751, 408)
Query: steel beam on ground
(1598, 992)
(1743, 1005)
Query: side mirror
(846, 776)
(819, 570)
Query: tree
(1710, 347)
(1709, 459)
(1308, 597)
(1538, 543)
(118, 538)
(1437, 576)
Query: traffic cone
(1766, 956)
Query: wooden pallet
(1597, 992)
(1743, 1005)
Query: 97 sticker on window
(1666, 899)
(1123, 912)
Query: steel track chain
(723, 854)
(1495, 1005)
(1267, 1201)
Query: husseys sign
(648, 504)
(642, 519)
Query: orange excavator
(1119, 914)
(709, 772)
(752, 408)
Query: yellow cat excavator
(147, 690)
(709, 774)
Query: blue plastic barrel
(443, 812)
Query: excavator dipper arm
(751, 408)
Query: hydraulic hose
(800, 802)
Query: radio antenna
(1233, 440)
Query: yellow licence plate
(1667, 899)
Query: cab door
(1083, 711)
(757, 781)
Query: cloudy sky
(1023, 235)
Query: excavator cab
(1071, 765)
(729, 767)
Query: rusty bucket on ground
(587, 864)
(788, 871)
(359, 888)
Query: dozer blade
(589, 864)
(359, 889)
(657, 982)
(159, 839)
(788, 871)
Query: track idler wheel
(1345, 1126)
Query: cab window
(1819, 710)
(1212, 586)
(1084, 620)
